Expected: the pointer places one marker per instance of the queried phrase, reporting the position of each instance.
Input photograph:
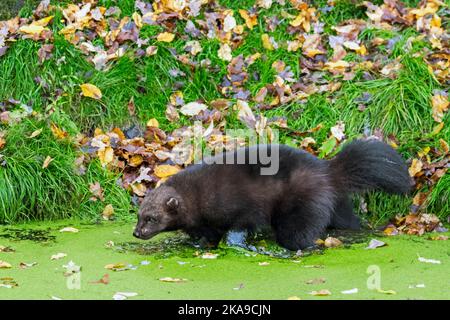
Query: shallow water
(264, 271)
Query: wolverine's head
(159, 212)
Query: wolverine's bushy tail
(365, 165)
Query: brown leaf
(321, 293)
(415, 168)
(103, 280)
(440, 105)
(331, 242)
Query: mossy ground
(342, 269)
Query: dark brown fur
(299, 202)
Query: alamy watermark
(233, 146)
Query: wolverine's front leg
(206, 237)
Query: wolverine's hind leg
(343, 215)
(300, 225)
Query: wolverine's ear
(172, 204)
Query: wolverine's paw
(205, 243)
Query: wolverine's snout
(136, 233)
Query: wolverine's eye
(151, 220)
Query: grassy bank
(397, 107)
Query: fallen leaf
(374, 243)
(321, 293)
(106, 156)
(108, 212)
(440, 104)
(69, 229)
(124, 295)
(425, 260)
(250, 20)
(439, 238)
(263, 263)
(119, 266)
(103, 280)
(316, 281)
(4, 265)
(8, 283)
(165, 170)
(229, 23)
(24, 265)
(331, 242)
(47, 161)
(294, 298)
(351, 291)
(390, 292)
(153, 123)
(165, 37)
(97, 191)
(35, 133)
(6, 249)
(58, 132)
(169, 279)
(267, 43)
(151, 50)
(58, 256)
(209, 255)
(224, 52)
(193, 108)
(91, 91)
(415, 168)
(338, 131)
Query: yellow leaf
(32, 29)
(165, 170)
(47, 162)
(250, 21)
(69, 229)
(135, 160)
(294, 298)
(58, 132)
(153, 123)
(4, 265)
(91, 91)
(267, 44)
(43, 22)
(437, 129)
(386, 291)
(108, 212)
(165, 37)
(115, 266)
(137, 19)
(106, 155)
(119, 133)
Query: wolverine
(305, 196)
